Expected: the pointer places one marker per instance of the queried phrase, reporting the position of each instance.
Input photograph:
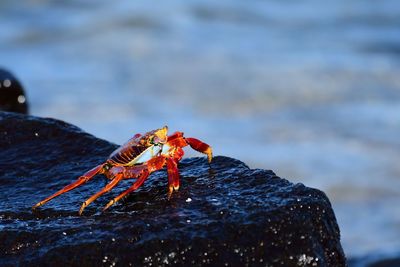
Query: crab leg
(107, 188)
(81, 180)
(135, 186)
(142, 171)
(159, 162)
(173, 176)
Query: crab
(137, 159)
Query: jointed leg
(173, 176)
(159, 162)
(81, 180)
(135, 186)
(107, 188)
(141, 172)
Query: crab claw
(198, 145)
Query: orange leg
(200, 146)
(142, 172)
(173, 176)
(107, 188)
(159, 162)
(81, 180)
(135, 186)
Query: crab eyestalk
(161, 136)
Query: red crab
(137, 159)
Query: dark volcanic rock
(223, 214)
(12, 95)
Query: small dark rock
(12, 95)
(223, 214)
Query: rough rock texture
(224, 214)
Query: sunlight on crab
(137, 159)
(151, 152)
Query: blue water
(310, 89)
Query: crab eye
(151, 141)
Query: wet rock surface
(223, 214)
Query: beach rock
(12, 95)
(225, 214)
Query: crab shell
(140, 148)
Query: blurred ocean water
(309, 89)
